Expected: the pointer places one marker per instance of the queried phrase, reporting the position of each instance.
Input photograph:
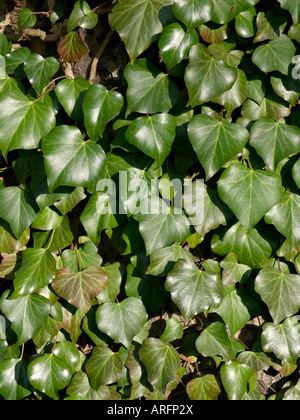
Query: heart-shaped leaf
(205, 388)
(154, 135)
(192, 290)
(149, 90)
(40, 70)
(26, 19)
(274, 141)
(70, 94)
(161, 361)
(100, 106)
(293, 8)
(79, 289)
(130, 313)
(69, 160)
(82, 16)
(235, 379)
(23, 123)
(245, 23)
(49, 374)
(72, 47)
(138, 22)
(249, 194)
(14, 384)
(227, 10)
(215, 142)
(280, 291)
(193, 13)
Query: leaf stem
(77, 256)
(98, 56)
(51, 239)
(249, 163)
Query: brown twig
(98, 56)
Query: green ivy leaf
(8, 243)
(249, 194)
(79, 289)
(70, 94)
(227, 10)
(269, 26)
(99, 107)
(215, 142)
(22, 122)
(130, 313)
(65, 152)
(154, 135)
(82, 16)
(26, 19)
(104, 367)
(80, 386)
(138, 22)
(14, 384)
(192, 290)
(173, 331)
(27, 314)
(205, 388)
(296, 173)
(193, 13)
(149, 90)
(235, 379)
(280, 291)
(277, 55)
(5, 45)
(49, 374)
(40, 70)
(256, 361)
(245, 23)
(274, 141)
(294, 9)
(161, 361)
(37, 271)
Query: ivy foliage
(211, 91)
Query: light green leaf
(130, 313)
(82, 16)
(245, 23)
(207, 78)
(205, 388)
(192, 290)
(149, 90)
(296, 173)
(70, 94)
(193, 13)
(22, 122)
(138, 22)
(99, 107)
(80, 385)
(40, 70)
(173, 331)
(293, 8)
(235, 379)
(227, 10)
(215, 142)
(69, 160)
(233, 272)
(256, 361)
(269, 26)
(249, 194)
(26, 19)
(280, 291)
(79, 289)
(14, 385)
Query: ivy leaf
(153, 135)
(274, 141)
(192, 290)
(193, 13)
(215, 142)
(277, 55)
(282, 340)
(233, 272)
(173, 331)
(296, 173)
(70, 94)
(252, 248)
(249, 194)
(69, 160)
(256, 361)
(8, 243)
(27, 315)
(280, 291)
(138, 22)
(149, 90)
(99, 107)
(205, 388)
(80, 386)
(245, 23)
(235, 379)
(40, 70)
(163, 229)
(269, 26)
(207, 78)
(26, 19)
(49, 374)
(285, 216)
(161, 361)
(14, 384)
(227, 10)
(294, 9)
(175, 43)
(130, 313)
(104, 367)
(5, 45)
(22, 122)
(72, 48)
(18, 209)
(37, 271)
(82, 16)
(79, 289)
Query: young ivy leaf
(249, 194)
(99, 107)
(192, 290)
(138, 23)
(207, 78)
(22, 122)
(40, 70)
(193, 13)
(79, 289)
(205, 388)
(72, 47)
(153, 135)
(130, 313)
(82, 16)
(26, 19)
(215, 142)
(69, 160)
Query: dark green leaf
(193, 13)
(40, 70)
(26, 19)
(70, 94)
(82, 16)
(14, 384)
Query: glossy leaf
(294, 9)
(236, 378)
(72, 47)
(70, 94)
(296, 173)
(26, 19)
(227, 10)
(193, 13)
(40, 71)
(205, 388)
(82, 16)
(14, 384)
